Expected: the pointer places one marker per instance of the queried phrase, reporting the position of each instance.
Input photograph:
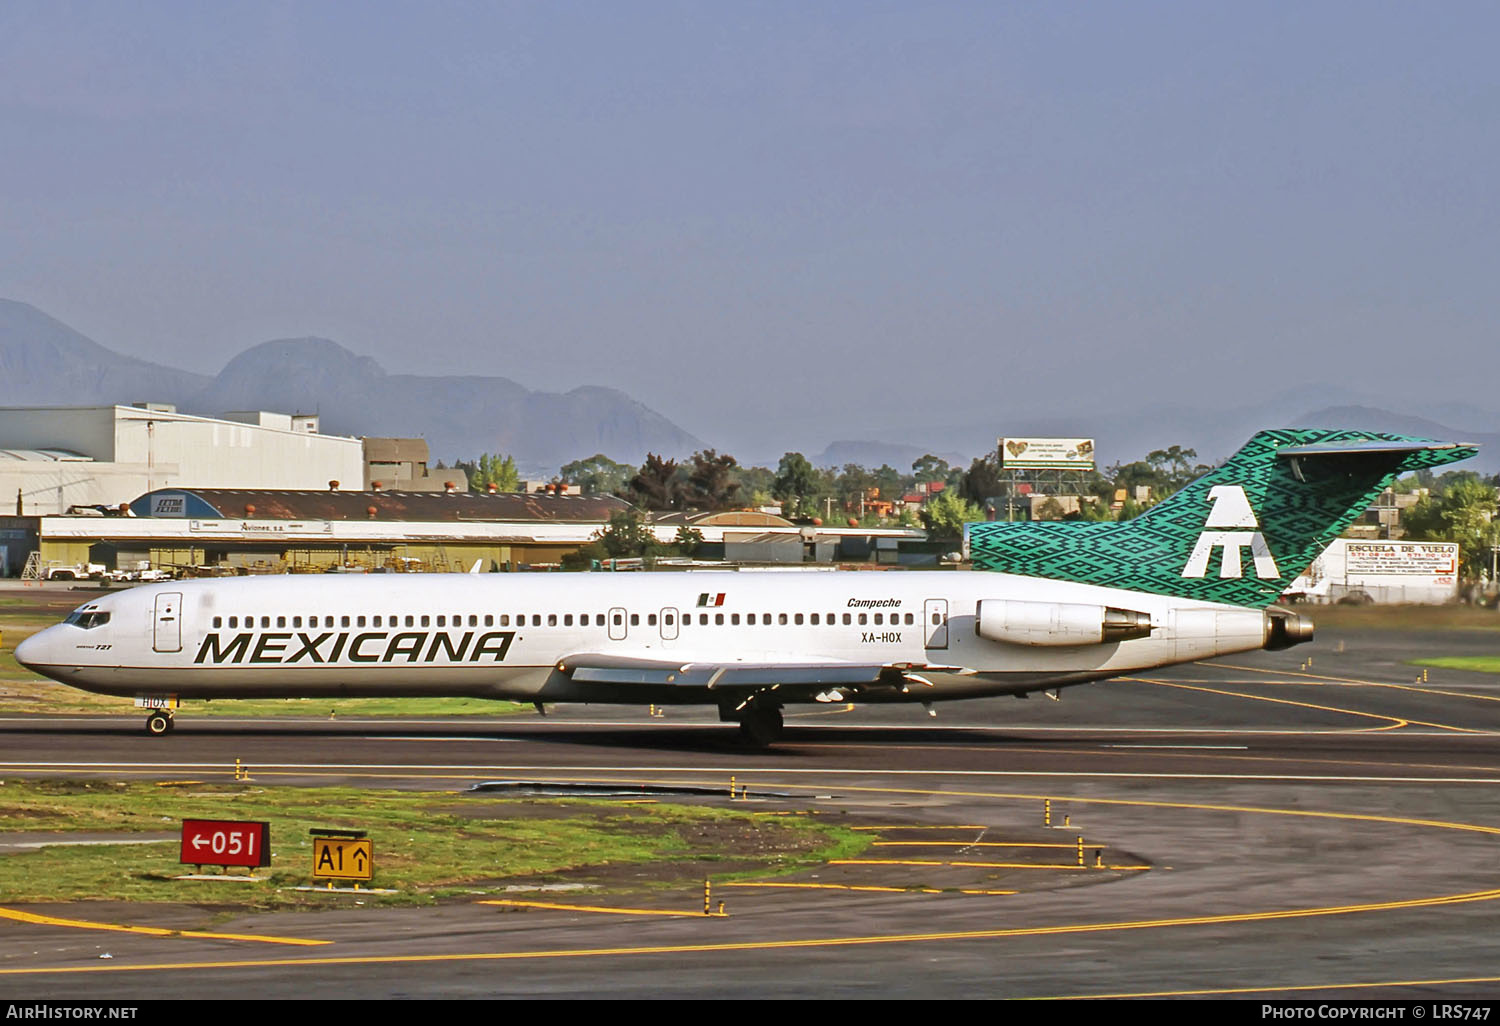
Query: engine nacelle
(1016, 622)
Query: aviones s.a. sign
(287, 647)
(1231, 509)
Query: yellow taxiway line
(979, 844)
(605, 909)
(870, 887)
(772, 945)
(973, 865)
(151, 931)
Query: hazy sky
(794, 222)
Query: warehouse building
(208, 530)
(53, 459)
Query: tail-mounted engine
(1016, 622)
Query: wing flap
(629, 670)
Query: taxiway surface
(1261, 826)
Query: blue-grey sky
(776, 223)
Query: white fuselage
(512, 636)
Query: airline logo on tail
(1231, 509)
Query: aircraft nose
(32, 651)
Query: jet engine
(1017, 622)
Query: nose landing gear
(159, 722)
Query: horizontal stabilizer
(1372, 447)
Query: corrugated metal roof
(722, 518)
(425, 507)
(44, 456)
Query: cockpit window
(87, 620)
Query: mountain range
(44, 362)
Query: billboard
(1402, 558)
(1046, 453)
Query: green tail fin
(1239, 534)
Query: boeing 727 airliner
(1049, 605)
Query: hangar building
(277, 530)
(55, 458)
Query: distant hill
(43, 362)
(1364, 418)
(459, 416)
(874, 454)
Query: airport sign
(214, 842)
(343, 858)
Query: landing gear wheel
(159, 723)
(760, 725)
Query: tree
(626, 535)
(688, 540)
(931, 468)
(656, 485)
(795, 481)
(982, 482)
(946, 513)
(1464, 512)
(711, 481)
(491, 469)
(597, 475)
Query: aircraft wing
(627, 670)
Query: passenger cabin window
(734, 619)
(781, 619)
(489, 620)
(359, 621)
(504, 619)
(815, 619)
(551, 619)
(442, 621)
(635, 619)
(344, 621)
(651, 620)
(567, 619)
(879, 619)
(719, 619)
(798, 618)
(234, 621)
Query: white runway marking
(531, 771)
(1195, 748)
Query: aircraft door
(168, 636)
(668, 625)
(617, 624)
(935, 623)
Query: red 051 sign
(214, 842)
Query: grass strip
(428, 846)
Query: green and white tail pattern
(1240, 534)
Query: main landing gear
(760, 724)
(159, 722)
